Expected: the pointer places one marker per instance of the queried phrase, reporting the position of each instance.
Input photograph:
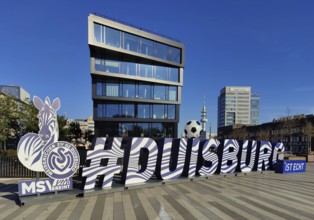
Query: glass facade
(130, 129)
(136, 81)
(136, 90)
(130, 42)
(136, 69)
(134, 110)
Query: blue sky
(268, 45)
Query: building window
(134, 69)
(143, 130)
(127, 129)
(112, 37)
(147, 46)
(174, 74)
(172, 93)
(143, 111)
(127, 111)
(161, 73)
(128, 90)
(112, 66)
(144, 91)
(112, 111)
(158, 111)
(112, 89)
(160, 92)
(146, 71)
(130, 42)
(171, 111)
(99, 89)
(157, 130)
(129, 68)
(100, 110)
(98, 34)
(175, 55)
(161, 51)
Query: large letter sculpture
(209, 156)
(139, 176)
(95, 169)
(264, 155)
(229, 156)
(165, 172)
(244, 166)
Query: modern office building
(137, 78)
(255, 106)
(16, 91)
(234, 106)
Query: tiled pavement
(264, 196)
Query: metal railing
(10, 166)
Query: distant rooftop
(134, 26)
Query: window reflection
(112, 66)
(174, 74)
(127, 129)
(130, 42)
(112, 89)
(158, 111)
(157, 130)
(127, 111)
(134, 69)
(172, 93)
(143, 111)
(112, 110)
(124, 129)
(144, 91)
(128, 90)
(112, 37)
(146, 71)
(99, 88)
(171, 111)
(161, 51)
(97, 32)
(143, 130)
(147, 46)
(160, 92)
(135, 43)
(100, 111)
(161, 72)
(129, 68)
(175, 55)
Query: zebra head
(47, 115)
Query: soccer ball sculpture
(192, 129)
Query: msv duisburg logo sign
(43, 152)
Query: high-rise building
(234, 106)
(255, 106)
(16, 91)
(137, 78)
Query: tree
(308, 132)
(9, 115)
(29, 119)
(263, 134)
(64, 130)
(75, 130)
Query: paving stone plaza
(260, 196)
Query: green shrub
(9, 153)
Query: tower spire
(204, 118)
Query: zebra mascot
(31, 145)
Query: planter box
(291, 166)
